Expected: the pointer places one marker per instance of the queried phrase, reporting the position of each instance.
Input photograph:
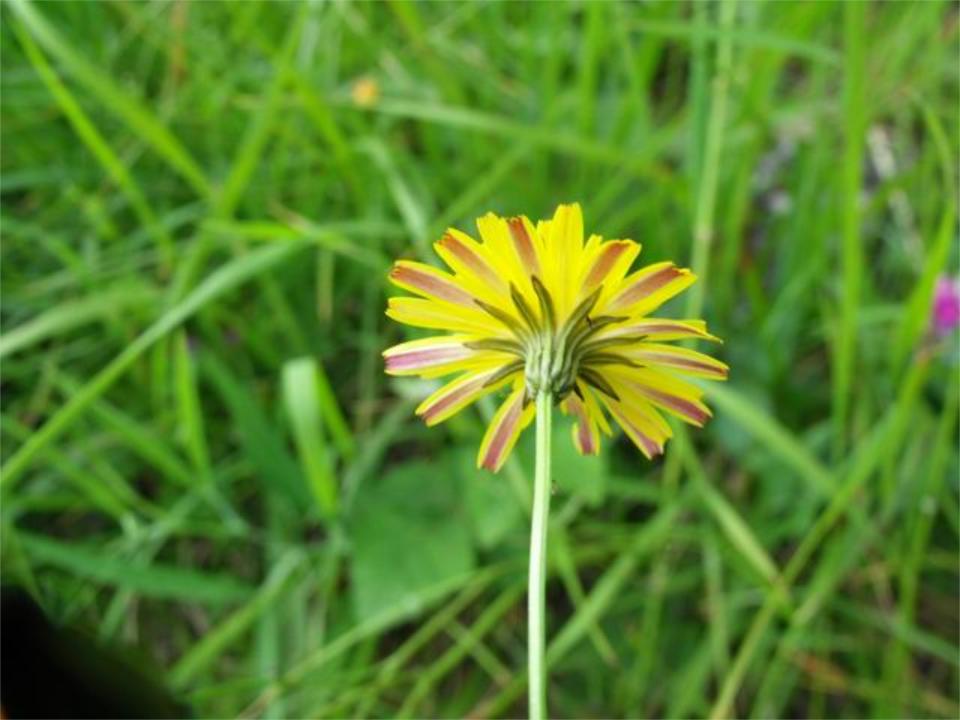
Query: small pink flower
(946, 305)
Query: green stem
(536, 591)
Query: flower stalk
(555, 320)
(536, 590)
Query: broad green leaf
(493, 508)
(583, 475)
(410, 531)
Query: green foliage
(302, 398)
(200, 454)
(409, 531)
(151, 580)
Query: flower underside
(554, 358)
(539, 310)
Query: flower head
(365, 92)
(946, 305)
(536, 310)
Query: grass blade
(226, 278)
(776, 438)
(72, 314)
(159, 581)
(854, 127)
(135, 114)
(89, 134)
(216, 641)
(302, 399)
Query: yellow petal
(565, 243)
(439, 315)
(499, 246)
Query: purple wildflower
(946, 305)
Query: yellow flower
(365, 92)
(537, 310)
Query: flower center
(550, 366)
(554, 357)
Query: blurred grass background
(203, 458)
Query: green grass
(202, 456)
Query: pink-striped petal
(644, 283)
(610, 254)
(682, 359)
(507, 424)
(429, 282)
(648, 446)
(523, 244)
(662, 329)
(419, 355)
(693, 412)
(586, 437)
(457, 394)
(459, 255)
(689, 409)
